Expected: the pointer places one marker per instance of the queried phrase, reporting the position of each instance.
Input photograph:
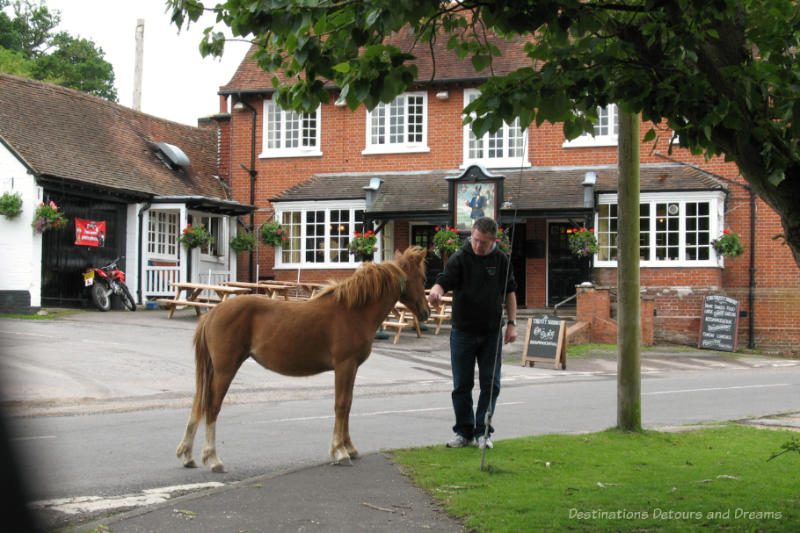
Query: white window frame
(386, 110)
(716, 201)
(503, 135)
(299, 236)
(277, 119)
(162, 234)
(219, 248)
(606, 131)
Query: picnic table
(194, 297)
(269, 289)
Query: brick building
(402, 166)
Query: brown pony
(332, 331)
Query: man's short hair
(485, 225)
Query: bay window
(319, 234)
(675, 230)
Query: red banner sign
(90, 232)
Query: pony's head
(412, 262)
(403, 277)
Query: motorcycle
(105, 281)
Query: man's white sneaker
(459, 441)
(485, 442)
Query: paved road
(131, 377)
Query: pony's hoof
(190, 464)
(219, 468)
(343, 462)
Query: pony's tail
(204, 370)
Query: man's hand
(511, 333)
(435, 296)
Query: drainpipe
(751, 343)
(238, 106)
(144, 208)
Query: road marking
(90, 504)
(17, 439)
(717, 389)
(373, 413)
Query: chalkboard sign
(719, 326)
(546, 341)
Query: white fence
(158, 279)
(215, 278)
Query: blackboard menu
(720, 323)
(545, 341)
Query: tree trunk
(629, 385)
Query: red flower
(726, 231)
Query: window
(606, 130)
(319, 235)
(674, 231)
(215, 227)
(399, 126)
(507, 147)
(162, 235)
(290, 134)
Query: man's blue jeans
(465, 349)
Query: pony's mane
(371, 281)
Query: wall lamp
(443, 95)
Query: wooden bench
(217, 294)
(442, 313)
(399, 319)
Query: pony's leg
(186, 445)
(345, 377)
(219, 387)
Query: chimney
(137, 66)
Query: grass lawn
(716, 478)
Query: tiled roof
(539, 189)
(435, 64)
(66, 134)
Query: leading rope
(499, 341)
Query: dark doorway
(63, 263)
(564, 270)
(423, 236)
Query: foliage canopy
(29, 47)
(722, 74)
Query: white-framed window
(605, 133)
(290, 134)
(675, 229)
(162, 235)
(507, 147)
(319, 234)
(399, 126)
(216, 227)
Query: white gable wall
(20, 245)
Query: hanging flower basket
(273, 234)
(244, 241)
(48, 217)
(10, 205)
(728, 244)
(363, 245)
(446, 242)
(195, 236)
(582, 242)
(503, 244)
